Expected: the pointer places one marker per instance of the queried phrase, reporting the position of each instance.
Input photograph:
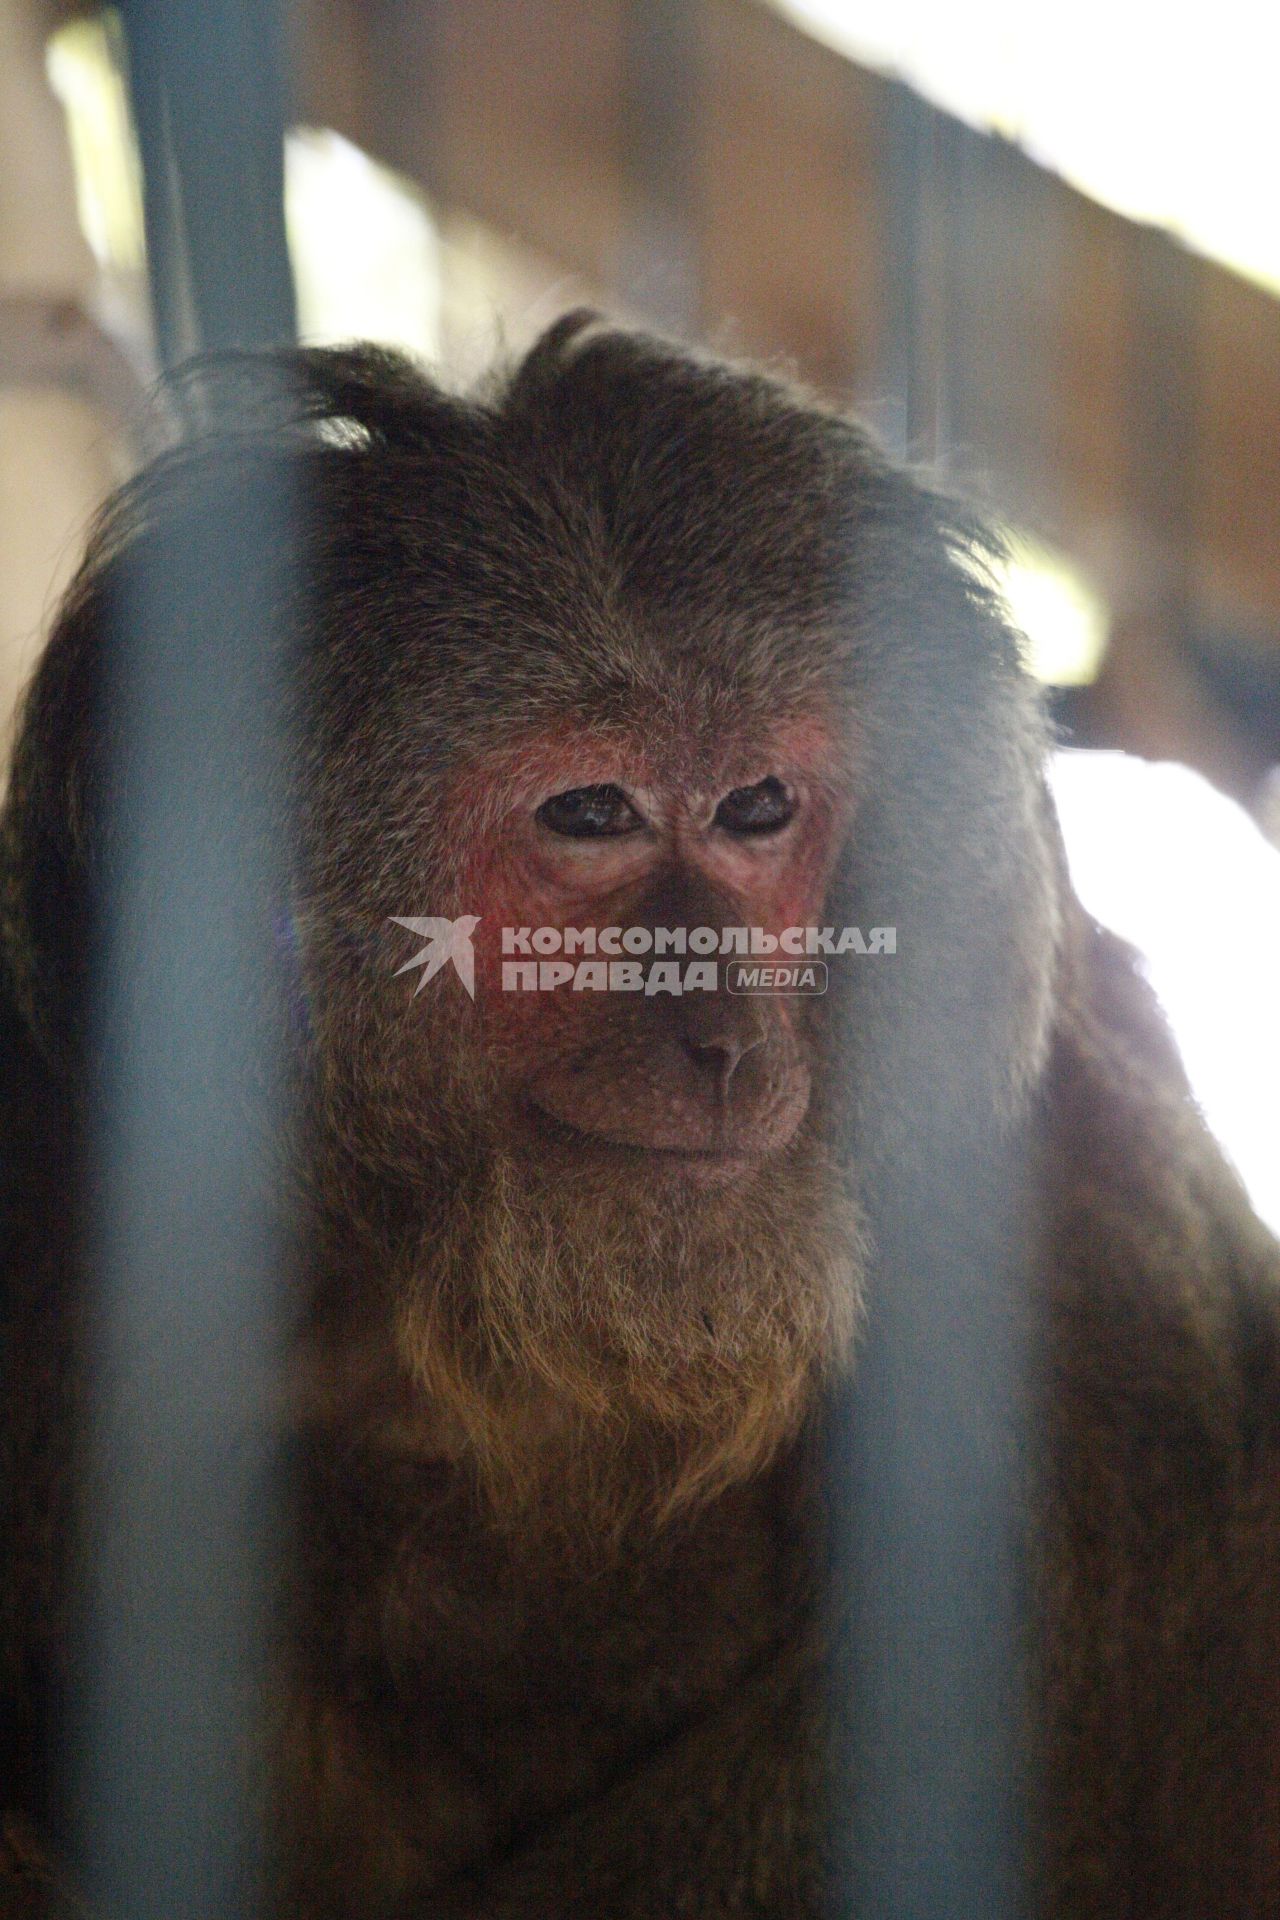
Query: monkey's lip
(705, 1169)
(705, 1166)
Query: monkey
(632, 647)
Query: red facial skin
(676, 867)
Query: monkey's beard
(604, 1349)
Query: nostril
(719, 1056)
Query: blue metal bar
(933, 1462)
(186, 1235)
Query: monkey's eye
(589, 813)
(765, 808)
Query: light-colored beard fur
(604, 1351)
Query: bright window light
(1062, 620)
(86, 81)
(1167, 115)
(1183, 873)
(365, 251)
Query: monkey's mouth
(714, 1165)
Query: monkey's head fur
(633, 640)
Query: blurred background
(1037, 248)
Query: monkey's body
(560, 1635)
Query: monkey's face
(648, 875)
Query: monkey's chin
(599, 1345)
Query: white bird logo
(446, 940)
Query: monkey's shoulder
(1158, 1531)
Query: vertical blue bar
(932, 1463)
(187, 1075)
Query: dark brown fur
(558, 1608)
